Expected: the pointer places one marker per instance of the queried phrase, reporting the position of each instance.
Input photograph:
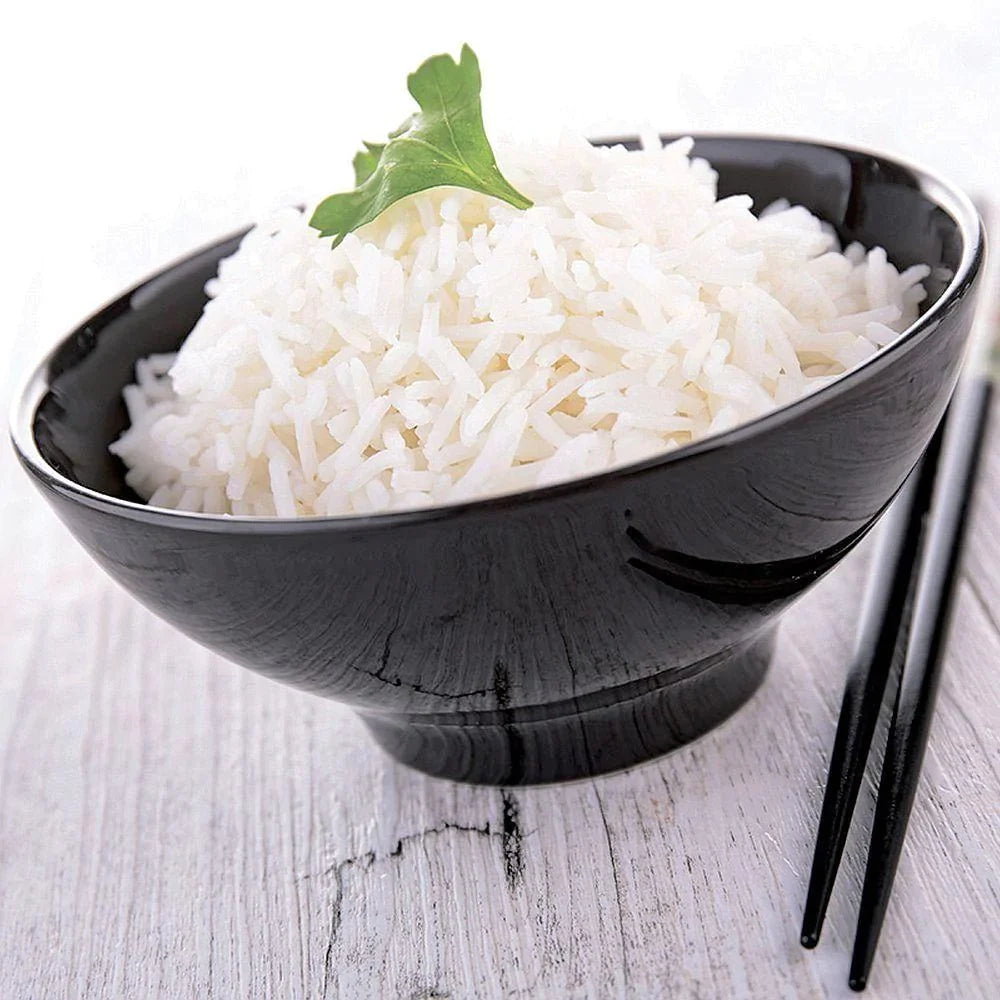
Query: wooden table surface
(174, 826)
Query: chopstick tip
(857, 977)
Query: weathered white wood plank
(171, 825)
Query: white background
(133, 131)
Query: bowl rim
(948, 196)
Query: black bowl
(564, 631)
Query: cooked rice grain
(459, 348)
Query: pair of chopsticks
(915, 567)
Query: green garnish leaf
(444, 144)
(366, 161)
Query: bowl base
(602, 732)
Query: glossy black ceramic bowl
(556, 633)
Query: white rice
(458, 347)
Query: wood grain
(171, 825)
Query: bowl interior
(865, 197)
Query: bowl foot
(605, 731)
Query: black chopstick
(961, 447)
(882, 618)
(906, 617)
(918, 556)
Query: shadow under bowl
(562, 632)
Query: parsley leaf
(442, 144)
